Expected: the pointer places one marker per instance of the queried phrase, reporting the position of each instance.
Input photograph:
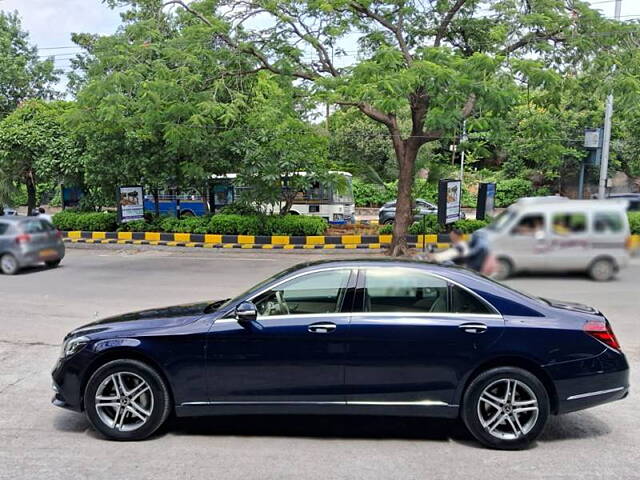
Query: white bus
(335, 205)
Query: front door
(416, 336)
(293, 352)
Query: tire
(116, 420)
(506, 429)
(52, 263)
(504, 269)
(9, 264)
(388, 221)
(602, 270)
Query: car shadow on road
(36, 269)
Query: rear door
(414, 338)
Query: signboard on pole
(449, 195)
(486, 200)
(130, 204)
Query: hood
(572, 306)
(164, 317)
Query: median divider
(270, 242)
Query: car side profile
(365, 337)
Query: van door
(570, 247)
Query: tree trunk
(156, 202)
(31, 193)
(406, 154)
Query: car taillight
(602, 331)
(23, 238)
(58, 234)
(628, 244)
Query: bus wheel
(186, 213)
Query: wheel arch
(518, 362)
(123, 353)
(604, 256)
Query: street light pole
(606, 143)
(462, 155)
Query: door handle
(323, 327)
(473, 327)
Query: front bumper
(67, 378)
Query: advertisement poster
(449, 196)
(130, 204)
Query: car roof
(17, 218)
(380, 262)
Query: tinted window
(529, 225)
(607, 222)
(464, 302)
(33, 226)
(401, 290)
(569, 223)
(3, 228)
(320, 292)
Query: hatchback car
(387, 213)
(27, 241)
(378, 337)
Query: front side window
(320, 292)
(529, 225)
(413, 291)
(607, 222)
(569, 223)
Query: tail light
(602, 331)
(58, 234)
(23, 238)
(628, 244)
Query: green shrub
(297, 225)
(90, 222)
(239, 208)
(634, 222)
(469, 225)
(138, 226)
(509, 191)
(385, 229)
(430, 225)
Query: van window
(607, 222)
(569, 223)
(529, 225)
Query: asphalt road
(38, 440)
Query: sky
(50, 23)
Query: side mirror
(246, 312)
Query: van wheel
(602, 270)
(504, 269)
(9, 264)
(506, 408)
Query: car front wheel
(126, 400)
(506, 408)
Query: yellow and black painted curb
(282, 242)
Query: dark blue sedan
(379, 337)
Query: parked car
(8, 211)
(387, 213)
(26, 241)
(555, 234)
(372, 337)
(632, 198)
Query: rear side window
(569, 223)
(607, 222)
(4, 227)
(33, 226)
(403, 290)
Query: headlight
(73, 345)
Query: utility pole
(606, 144)
(462, 154)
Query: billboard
(486, 200)
(130, 204)
(449, 196)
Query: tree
(22, 74)
(36, 146)
(422, 68)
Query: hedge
(220, 224)
(634, 222)
(430, 225)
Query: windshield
(501, 220)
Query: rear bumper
(588, 383)
(34, 256)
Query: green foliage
(634, 222)
(385, 229)
(509, 191)
(428, 224)
(239, 208)
(90, 222)
(370, 194)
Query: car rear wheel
(126, 400)
(602, 270)
(506, 408)
(52, 263)
(9, 264)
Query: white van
(555, 234)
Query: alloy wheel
(8, 264)
(124, 401)
(508, 409)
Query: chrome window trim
(409, 315)
(593, 394)
(409, 403)
(446, 279)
